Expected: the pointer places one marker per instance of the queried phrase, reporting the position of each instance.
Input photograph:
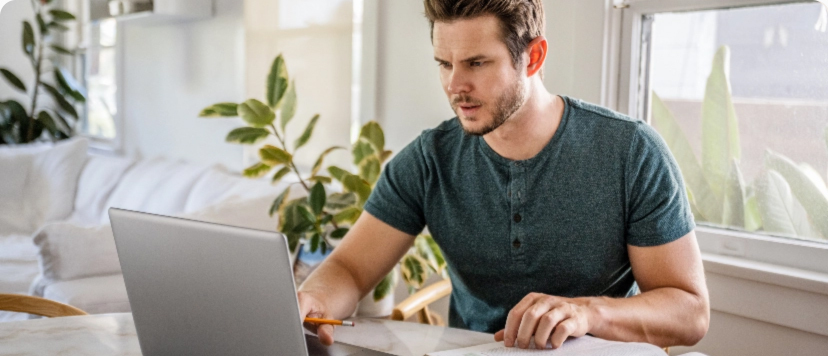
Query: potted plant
(21, 125)
(323, 215)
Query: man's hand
(310, 306)
(543, 316)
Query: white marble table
(114, 334)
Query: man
(548, 209)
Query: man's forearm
(335, 286)
(663, 316)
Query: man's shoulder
(584, 109)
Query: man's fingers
(564, 329)
(498, 336)
(325, 334)
(515, 316)
(529, 323)
(546, 324)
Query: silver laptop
(197, 288)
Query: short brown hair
(521, 21)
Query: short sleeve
(658, 210)
(398, 196)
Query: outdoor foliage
(17, 125)
(787, 198)
(321, 216)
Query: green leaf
(257, 170)
(372, 133)
(68, 84)
(274, 156)
(361, 151)
(302, 140)
(13, 79)
(781, 213)
(48, 122)
(314, 242)
(28, 39)
(338, 173)
(57, 26)
(323, 179)
(44, 28)
(734, 199)
(339, 233)
(809, 194)
(61, 100)
(220, 110)
(385, 286)
(720, 126)
(318, 165)
(290, 220)
(753, 218)
(279, 203)
(255, 113)
(317, 198)
(306, 215)
(338, 201)
(61, 50)
(277, 82)
(293, 240)
(279, 175)
(288, 106)
(427, 248)
(370, 170)
(348, 215)
(246, 135)
(60, 15)
(355, 184)
(708, 204)
(414, 270)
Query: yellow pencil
(330, 322)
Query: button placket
(516, 192)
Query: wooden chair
(38, 306)
(418, 303)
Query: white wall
(11, 56)
(172, 71)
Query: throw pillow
(68, 252)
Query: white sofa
(61, 194)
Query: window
(739, 91)
(100, 76)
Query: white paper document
(582, 346)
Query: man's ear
(537, 55)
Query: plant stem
(290, 164)
(37, 65)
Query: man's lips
(468, 109)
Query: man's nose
(458, 82)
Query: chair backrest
(418, 304)
(38, 306)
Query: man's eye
(444, 64)
(476, 64)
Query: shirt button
(517, 218)
(516, 244)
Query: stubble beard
(505, 106)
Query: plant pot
(368, 308)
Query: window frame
(622, 85)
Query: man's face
(477, 73)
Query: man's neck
(530, 129)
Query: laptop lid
(197, 288)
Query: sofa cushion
(50, 178)
(94, 295)
(98, 179)
(235, 211)
(18, 263)
(15, 217)
(217, 185)
(158, 186)
(67, 252)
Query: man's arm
(367, 253)
(673, 308)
